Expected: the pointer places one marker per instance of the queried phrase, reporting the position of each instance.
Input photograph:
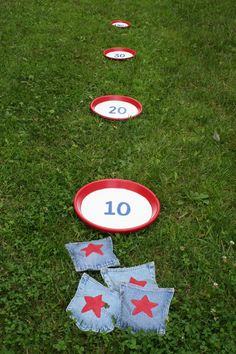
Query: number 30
(119, 209)
(121, 55)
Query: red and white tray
(116, 205)
(119, 53)
(116, 107)
(121, 23)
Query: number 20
(119, 209)
(121, 110)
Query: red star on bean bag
(143, 305)
(94, 304)
(141, 283)
(91, 248)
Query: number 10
(119, 209)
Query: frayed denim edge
(113, 263)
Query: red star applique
(143, 305)
(141, 283)
(92, 248)
(94, 304)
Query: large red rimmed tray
(116, 205)
(119, 53)
(121, 23)
(115, 107)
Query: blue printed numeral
(120, 110)
(123, 209)
(119, 55)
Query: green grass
(184, 75)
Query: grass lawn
(181, 147)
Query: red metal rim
(117, 183)
(122, 21)
(128, 50)
(131, 100)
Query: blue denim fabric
(83, 259)
(86, 319)
(144, 273)
(158, 303)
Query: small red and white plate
(116, 205)
(118, 53)
(116, 107)
(121, 23)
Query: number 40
(120, 210)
